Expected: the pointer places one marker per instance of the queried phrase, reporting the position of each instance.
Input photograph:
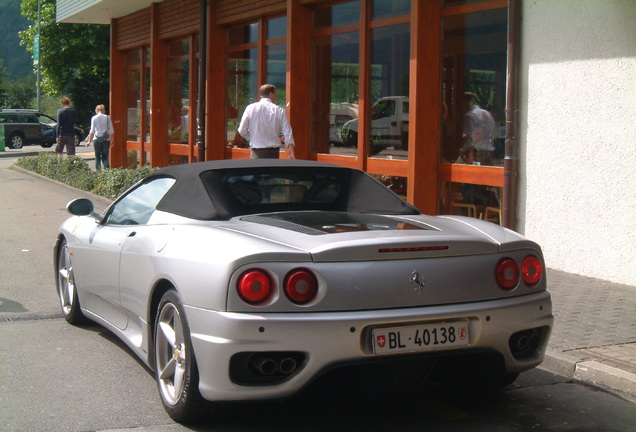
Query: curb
(95, 198)
(617, 381)
(5, 154)
(607, 377)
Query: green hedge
(75, 172)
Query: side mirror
(83, 207)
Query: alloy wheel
(170, 353)
(65, 281)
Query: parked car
(339, 114)
(389, 125)
(24, 126)
(248, 279)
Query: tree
(17, 60)
(20, 93)
(3, 84)
(74, 58)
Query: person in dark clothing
(65, 129)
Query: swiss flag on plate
(381, 341)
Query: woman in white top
(102, 130)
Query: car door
(46, 124)
(99, 266)
(96, 268)
(383, 122)
(30, 127)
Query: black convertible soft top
(220, 190)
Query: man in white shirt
(263, 122)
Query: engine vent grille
(278, 223)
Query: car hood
(337, 236)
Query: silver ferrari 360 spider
(245, 280)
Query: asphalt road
(56, 377)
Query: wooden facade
(151, 30)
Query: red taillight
(507, 273)
(301, 286)
(531, 270)
(254, 286)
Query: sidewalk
(594, 336)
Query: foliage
(20, 93)
(3, 83)
(17, 60)
(75, 172)
(112, 183)
(74, 58)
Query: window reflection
(390, 72)
(243, 34)
(178, 90)
(397, 184)
(472, 200)
(276, 71)
(243, 78)
(473, 88)
(147, 94)
(242, 87)
(337, 15)
(335, 73)
(133, 93)
(277, 27)
(389, 8)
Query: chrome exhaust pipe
(266, 366)
(523, 343)
(287, 366)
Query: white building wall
(577, 135)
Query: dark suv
(24, 126)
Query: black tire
(485, 374)
(16, 141)
(66, 288)
(176, 370)
(78, 139)
(351, 139)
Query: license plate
(421, 337)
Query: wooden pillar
(158, 93)
(424, 98)
(298, 77)
(117, 101)
(364, 93)
(216, 99)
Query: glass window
(178, 90)
(389, 90)
(389, 8)
(335, 74)
(133, 58)
(137, 206)
(277, 28)
(147, 94)
(133, 98)
(243, 35)
(472, 200)
(448, 3)
(474, 86)
(337, 15)
(242, 86)
(277, 71)
(243, 59)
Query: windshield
(44, 119)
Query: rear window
(7, 118)
(284, 188)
